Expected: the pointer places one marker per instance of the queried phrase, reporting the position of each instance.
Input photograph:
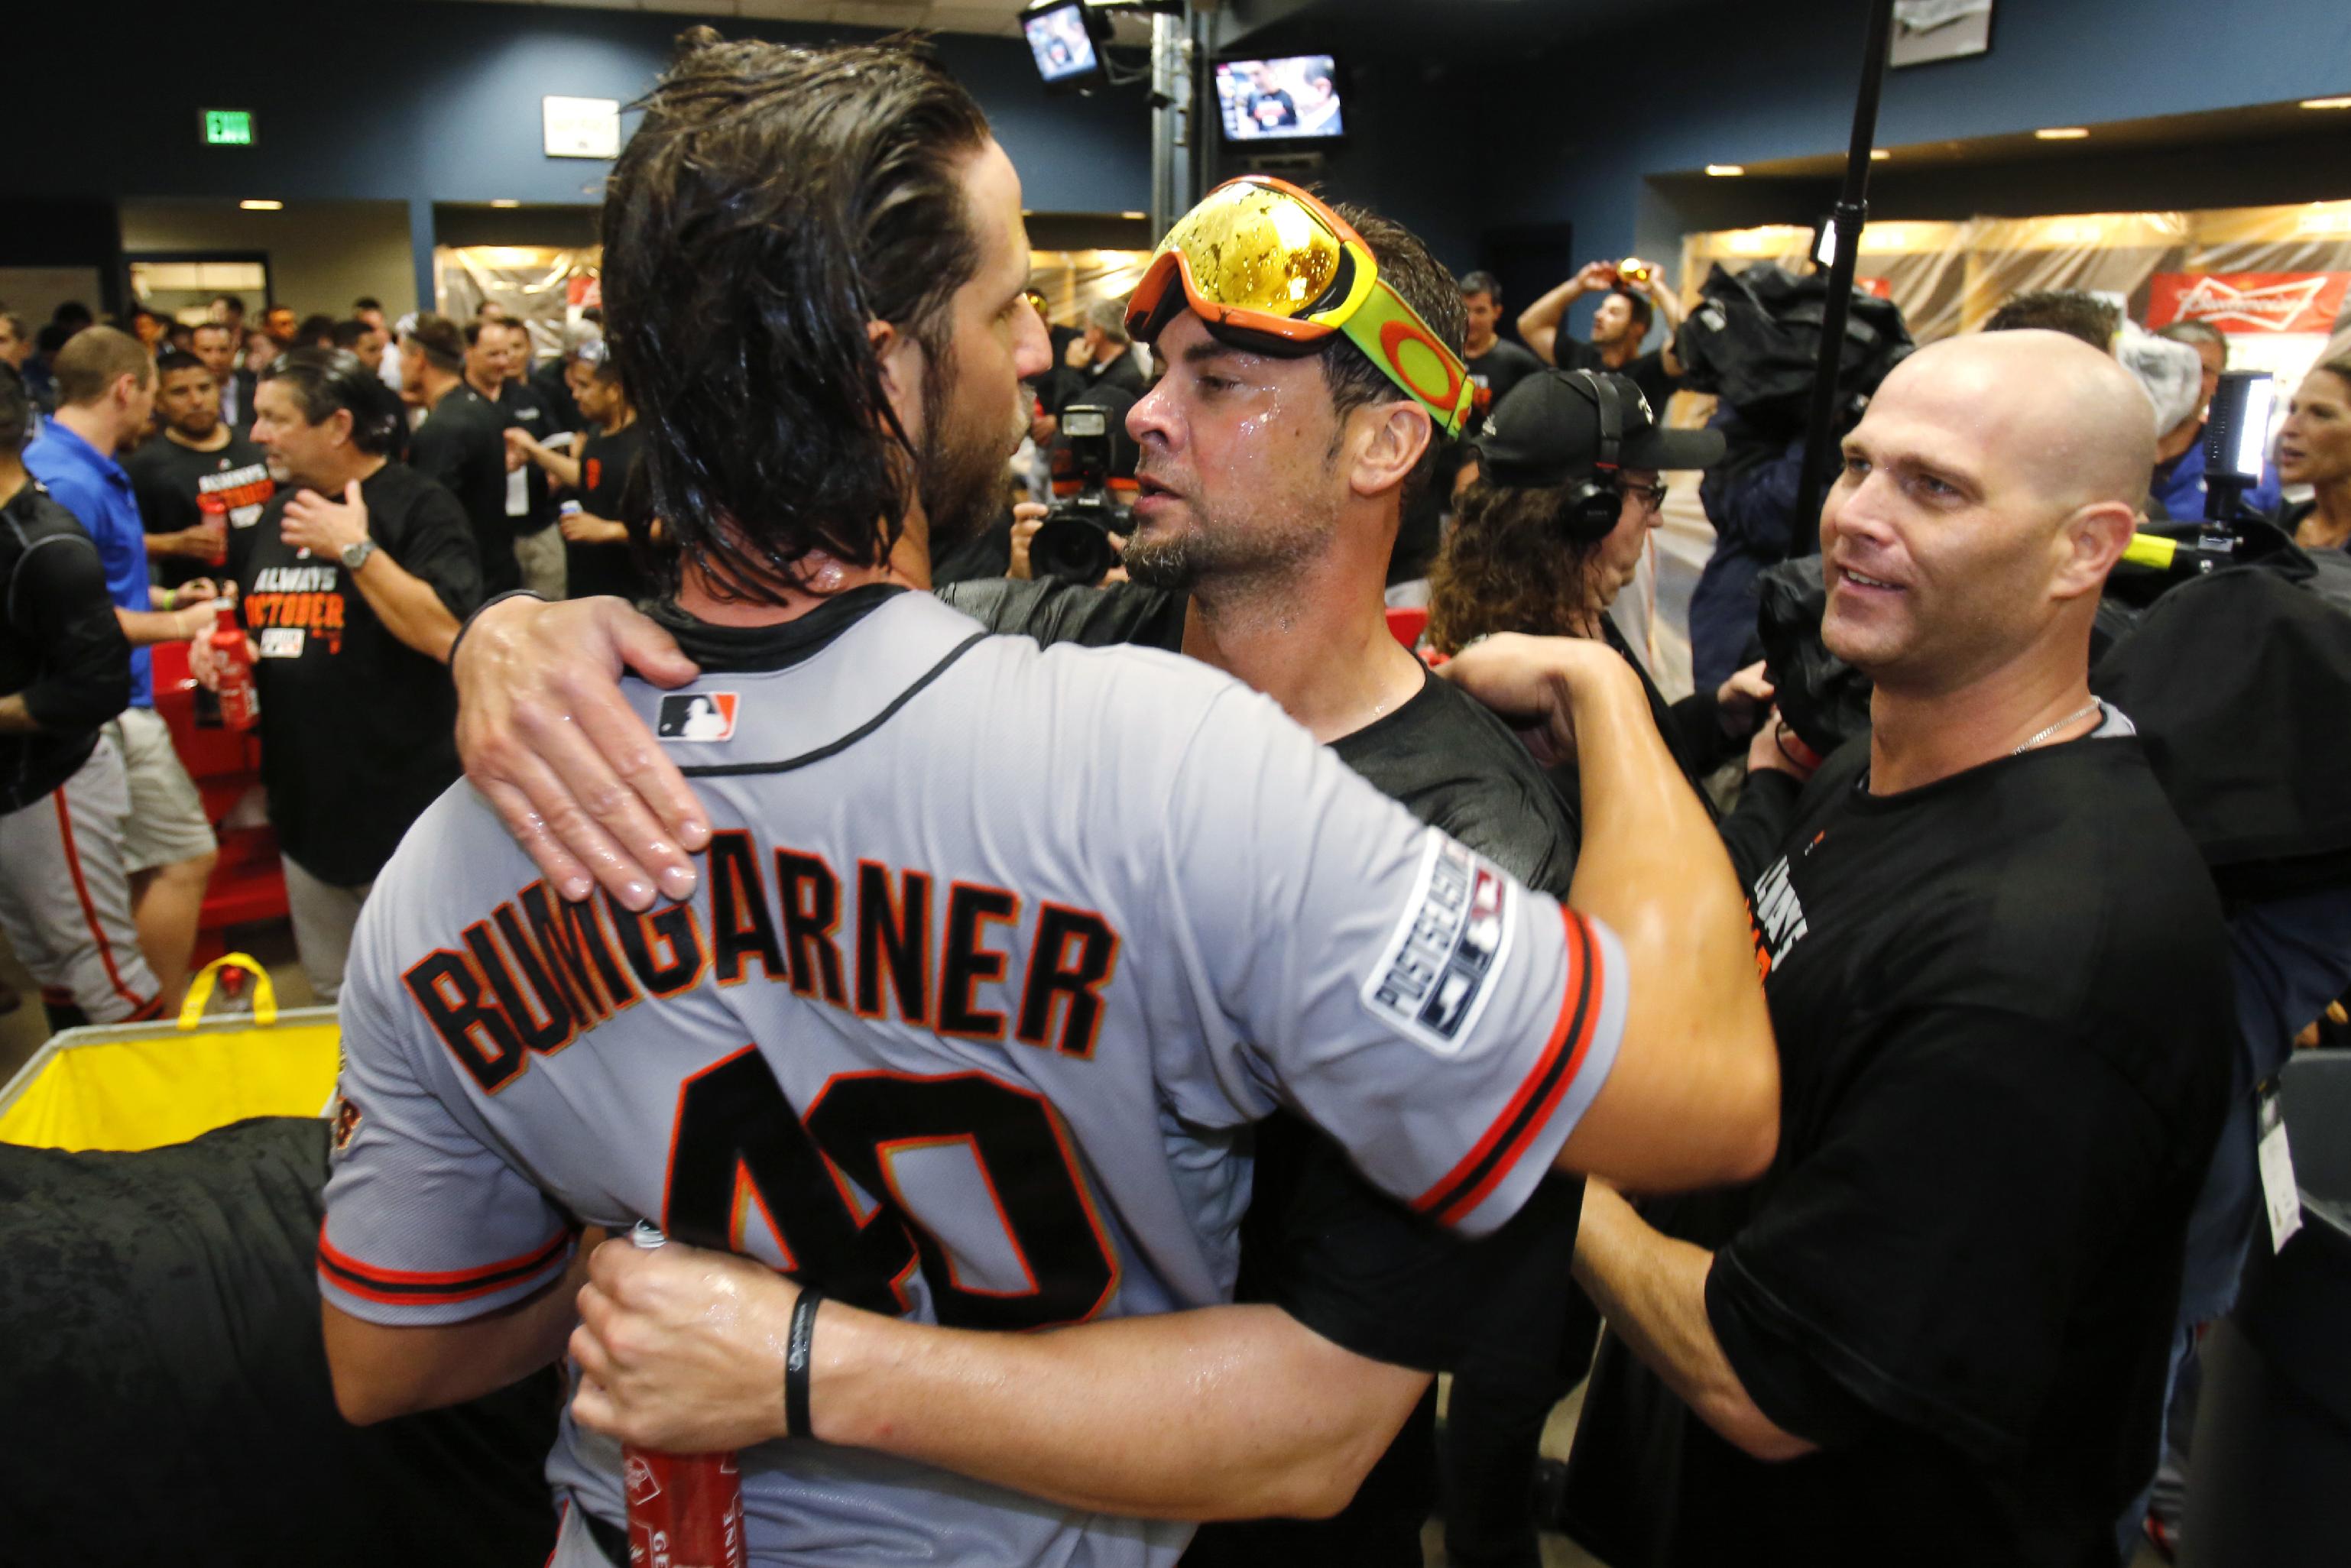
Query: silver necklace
(2078, 714)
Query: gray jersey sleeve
(425, 1222)
(1444, 1023)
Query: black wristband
(459, 640)
(799, 1350)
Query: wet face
(1239, 472)
(1938, 544)
(973, 412)
(1613, 322)
(2314, 446)
(1484, 313)
(189, 402)
(1617, 561)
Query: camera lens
(1071, 550)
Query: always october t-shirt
(359, 730)
(172, 481)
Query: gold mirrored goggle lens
(1254, 249)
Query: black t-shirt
(2002, 1004)
(462, 448)
(1497, 369)
(359, 730)
(61, 645)
(1647, 371)
(171, 482)
(612, 485)
(524, 409)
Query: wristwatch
(355, 555)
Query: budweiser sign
(2248, 301)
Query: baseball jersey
(998, 952)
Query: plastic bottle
(685, 1511)
(240, 701)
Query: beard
(960, 475)
(1211, 551)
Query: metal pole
(1851, 212)
(1171, 121)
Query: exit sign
(228, 128)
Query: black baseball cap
(1546, 431)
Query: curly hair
(772, 203)
(1508, 565)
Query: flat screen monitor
(1297, 98)
(1063, 47)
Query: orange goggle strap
(1372, 314)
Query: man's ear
(904, 365)
(1388, 439)
(2090, 542)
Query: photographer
(1098, 368)
(1637, 294)
(349, 605)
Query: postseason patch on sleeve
(1438, 970)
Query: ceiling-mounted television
(1065, 40)
(1292, 98)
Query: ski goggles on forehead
(1267, 267)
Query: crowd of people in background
(355, 488)
(165, 439)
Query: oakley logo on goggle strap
(1422, 366)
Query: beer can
(685, 1511)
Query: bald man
(1937, 1331)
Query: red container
(240, 701)
(215, 512)
(685, 1511)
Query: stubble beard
(960, 477)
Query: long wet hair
(773, 202)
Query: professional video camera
(1074, 543)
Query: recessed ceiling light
(262, 207)
(1134, 215)
(2326, 103)
(2062, 133)
(1721, 170)
(504, 202)
(1879, 154)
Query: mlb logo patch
(697, 715)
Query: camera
(1074, 543)
(2236, 438)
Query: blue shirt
(95, 489)
(2180, 488)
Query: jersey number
(739, 1141)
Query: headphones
(1593, 504)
